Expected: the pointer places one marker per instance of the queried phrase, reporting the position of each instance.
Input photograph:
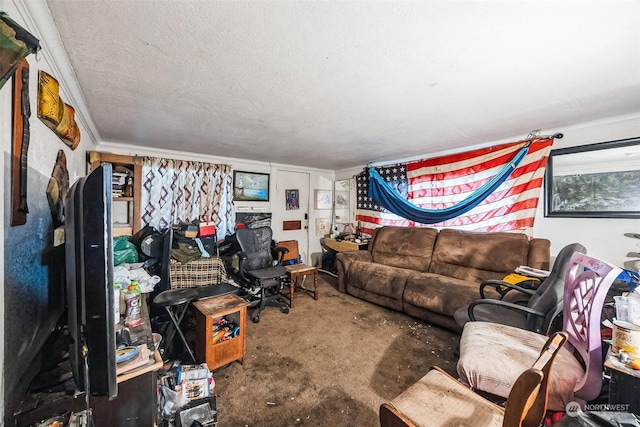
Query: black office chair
(543, 307)
(260, 269)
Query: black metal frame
(549, 190)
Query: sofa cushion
(404, 247)
(379, 279)
(440, 294)
(475, 257)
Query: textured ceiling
(336, 84)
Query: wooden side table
(296, 271)
(210, 317)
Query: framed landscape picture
(594, 181)
(250, 186)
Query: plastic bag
(124, 251)
(171, 401)
(125, 273)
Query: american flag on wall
(444, 181)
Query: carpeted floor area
(330, 362)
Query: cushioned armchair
(577, 376)
(543, 306)
(260, 268)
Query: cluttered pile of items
(186, 397)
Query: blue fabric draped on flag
(444, 188)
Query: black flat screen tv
(89, 278)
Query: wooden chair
(293, 254)
(438, 399)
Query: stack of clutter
(186, 396)
(626, 326)
(122, 182)
(224, 329)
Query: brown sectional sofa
(429, 274)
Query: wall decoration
(292, 198)
(323, 199)
(57, 189)
(323, 226)
(250, 186)
(20, 140)
(57, 115)
(594, 181)
(15, 44)
(342, 200)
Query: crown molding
(37, 18)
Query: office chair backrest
(256, 244)
(549, 297)
(586, 285)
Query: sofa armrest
(539, 255)
(344, 260)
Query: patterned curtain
(175, 191)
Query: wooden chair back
(527, 401)
(293, 253)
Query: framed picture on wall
(292, 198)
(594, 181)
(324, 199)
(323, 226)
(250, 186)
(342, 200)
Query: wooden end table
(296, 271)
(210, 313)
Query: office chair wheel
(285, 310)
(255, 319)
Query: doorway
(292, 199)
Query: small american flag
(444, 181)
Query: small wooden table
(301, 270)
(216, 313)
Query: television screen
(90, 293)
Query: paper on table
(533, 272)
